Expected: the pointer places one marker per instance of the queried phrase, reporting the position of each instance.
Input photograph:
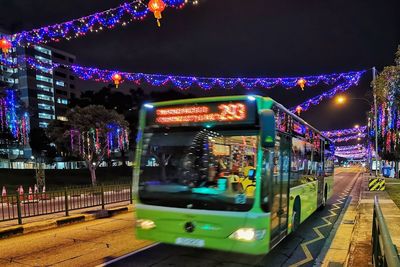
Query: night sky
(229, 38)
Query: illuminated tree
(91, 133)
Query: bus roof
(262, 102)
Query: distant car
(346, 165)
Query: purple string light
(121, 15)
(333, 133)
(350, 79)
(346, 79)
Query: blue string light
(121, 15)
(346, 79)
(343, 132)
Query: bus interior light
(145, 224)
(248, 234)
(251, 98)
(148, 106)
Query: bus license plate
(191, 242)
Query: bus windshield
(199, 169)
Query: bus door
(280, 184)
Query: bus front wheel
(324, 199)
(296, 214)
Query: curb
(11, 231)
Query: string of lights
(352, 156)
(351, 80)
(346, 148)
(332, 133)
(108, 19)
(346, 79)
(348, 138)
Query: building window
(60, 74)
(45, 97)
(59, 56)
(45, 88)
(62, 118)
(62, 101)
(45, 70)
(43, 124)
(46, 116)
(45, 60)
(43, 50)
(44, 79)
(60, 83)
(45, 106)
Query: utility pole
(375, 121)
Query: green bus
(232, 173)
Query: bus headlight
(248, 234)
(145, 224)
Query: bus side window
(266, 178)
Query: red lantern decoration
(298, 110)
(117, 79)
(157, 6)
(301, 82)
(5, 45)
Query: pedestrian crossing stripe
(376, 184)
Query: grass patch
(394, 191)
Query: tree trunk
(92, 170)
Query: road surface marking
(128, 255)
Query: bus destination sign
(216, 112)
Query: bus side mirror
(328, 146)
(267, 128)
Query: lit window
(45, 70)
(43, 50)
(60, 83)
(44, 79)
(45, 97)
(45, 60)
(62, 101)
(62, 118)
(46, 116)
(45, 88)
(45, 106)
(43, 124)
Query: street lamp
(341, 99)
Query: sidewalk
(351, 245)
(45, 222)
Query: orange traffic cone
(21, 193)
(30, 197)
(36, 189)
(4, 195)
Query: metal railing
(19, 206)
(384, 252)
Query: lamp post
(375, 121)
(342, 99)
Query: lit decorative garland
(350, 80)
(91, 141)
(121, 15)
(346, 79)
(346, 148)
(352, 156)
(347, 138)
(19, 127)
(343, 132)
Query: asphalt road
(298, 249)
(82, 244)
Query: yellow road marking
(304, 245)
